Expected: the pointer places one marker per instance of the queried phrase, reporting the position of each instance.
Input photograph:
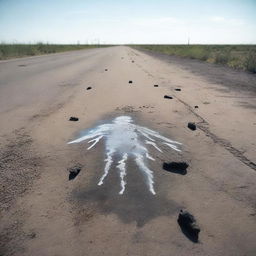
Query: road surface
(45, 213)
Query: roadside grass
(241, 57)
(8, 51)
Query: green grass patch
(235, 56)
(8, 51)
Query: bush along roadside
(8, 51)
(241, 57)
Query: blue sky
(120, 22)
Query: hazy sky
(117, 21)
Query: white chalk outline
(122, 137)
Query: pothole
(74, 171)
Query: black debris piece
(192, 126)
(168, 97)
(176, 167)
(74, 171)
(89, 88)
(73, 118)
(130, 81)
(132, 61)
(106, 69)
(196, 107)
(155, 85)
(189, 225)
(177, 89)
(32, 235)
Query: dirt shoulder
(214, 73)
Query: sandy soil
(43, 213)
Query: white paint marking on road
(149, 174)
(122, 169)
(95, 142)
(154, 145)
(122, 138)
(107, 166)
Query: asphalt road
(123, 202)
